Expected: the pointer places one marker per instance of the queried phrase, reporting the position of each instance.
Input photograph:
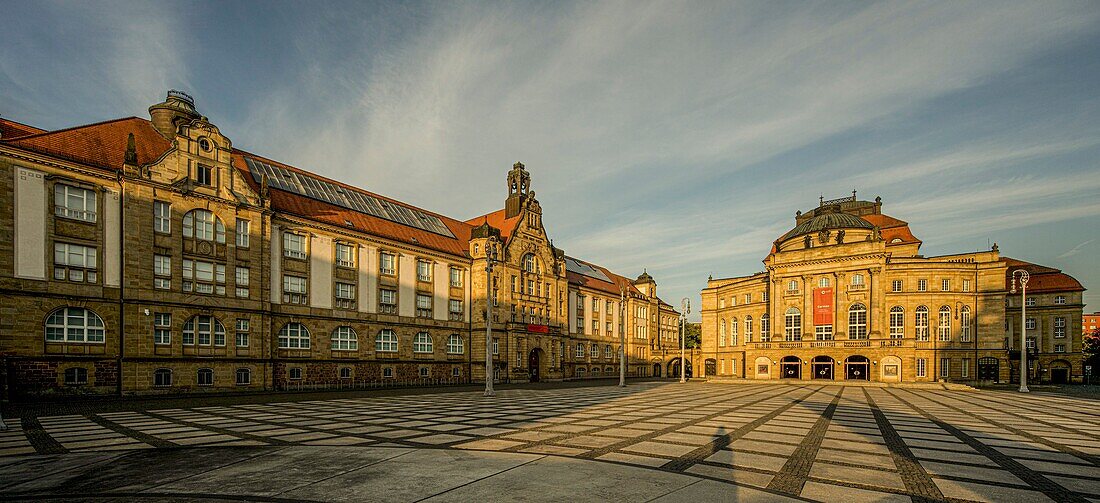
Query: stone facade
(846, 295)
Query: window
(423, 305)
(897, 322)
(595, 305)
(455, 309)
(387, 373)
(344, 339)
(857, 280)
(857, 321)
(792, 286)
(922, 285)
(455, 345)
(386, 341)
(294, 290)
(748, 298)
(895, 286)
(74, 262)
(294, 336)
(1060, 299)
(945, 367)
(162, 328)
(823, 282)
(294, 245)
(733, 328)
(242, 233)
(202, 330)
(595, 352)
(422, 343)
(1059, 348)
(295, 373)
(456, 372)
(922, 323)
(964, 368)
(764, 296)
(204, 175)
(922, 367)
(205, 377)
(945, 285)
(733, 301)
(162, 217)
(345, 295)
(964, 324)
(243, 327)
(241, 281)
(607, 352)
(748, 331)
(1030, 324)
(423, 372)
(203, 277)
(162, 272)
(945, 323)
(75, 376)
(966, 288)
(74, 202)
(1059, 328)
(162, 377)
(1029, 302)
(530, 263)
(386, 264)
(423, 270)
(345, 255)
(387, 301)
(456, 277)
(204, 144)
(496, 346)
(1030, 343)
(579, 352)
(765, 328)
(74, 324)
(793, 325)
(345, 372)
(823, 332)
(244, 377)
(203, 225)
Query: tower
(519, 185)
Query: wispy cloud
(1076, 249)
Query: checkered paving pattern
(823, 443)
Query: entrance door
(791, 371)
(855, 371)
(533, 365)
(656, 370)
(988, 369)
(823, 370)
(1059, 376)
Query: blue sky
(680, 137)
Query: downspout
(122, 277)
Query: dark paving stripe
(42, 442)
(130, 432)
(792, 476)
(215, 429)
(151, 496)
(684, 462)
(917, 481)
(1033, 478)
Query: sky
(678, 137)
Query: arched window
(748, 330)
(897, 322)
(945, 323)
(607, 351)
(386, 341)
(204, 330)
(595, 351)
(531, 263)
(765, 328)
(922, 323)
(205, 377)
(733, 328)
(294, 336)
(857, 321)
(964, 324)
(162, 377)
(204, 225)
(721, 332)
(74, 324)
(345, 339)
(579, 351)
(455, 345)
(793, 325)
(422, 343)
(244, 377)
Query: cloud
(1076, 249)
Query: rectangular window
(455, 309)
(456, 277)
(1059, 348)
(203, 277)
(1060, 299)
(294, 289)
(244, 326)
(162, 272)
(387, 301)
(964, 369)
(423, 270)
(386, 263)
(345, 255)
(1030, 324)
(162, 217)
(966, 286)
(922, 285)
(1030, 301)
(764, 295)
(945, 367)
(895, 286)
(922, 367)
(1031, 343)
(74, 262)
(345, 295)
(162, 328)
(74, 202)
(241, 281)
(496, 346)
(945, 285)
(595, 305)
(423, 305)
(242, 232)
(294, 245)
(1059, 328)
(823, 332)
(204, 175)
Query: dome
(833, 220)
(644, 278)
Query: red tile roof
(891, 228)
(101, 145)
(1042, 278)
(497, 219)
(295, 204)
(10, 129)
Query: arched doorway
(823, 367)
(1059, 372)
(790, 368)
(533, 361)
(674, 368)
(856, 368)
(989, 369)
(656, 370)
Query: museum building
(153, 256)
(846, 295)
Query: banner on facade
(823, 306)
(542, 329)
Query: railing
(857, 344)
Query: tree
(693, 334)
(1091, 343)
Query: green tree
(1091, 342)
(694, 334)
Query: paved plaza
(647, 442)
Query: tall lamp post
(490, 257)
(622, 335)
(1024, 276)
(685, 306)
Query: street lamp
(622, 335)
(490, 257)
(685, 306)
(1024, 276)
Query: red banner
(542, 329)
(823, 306)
